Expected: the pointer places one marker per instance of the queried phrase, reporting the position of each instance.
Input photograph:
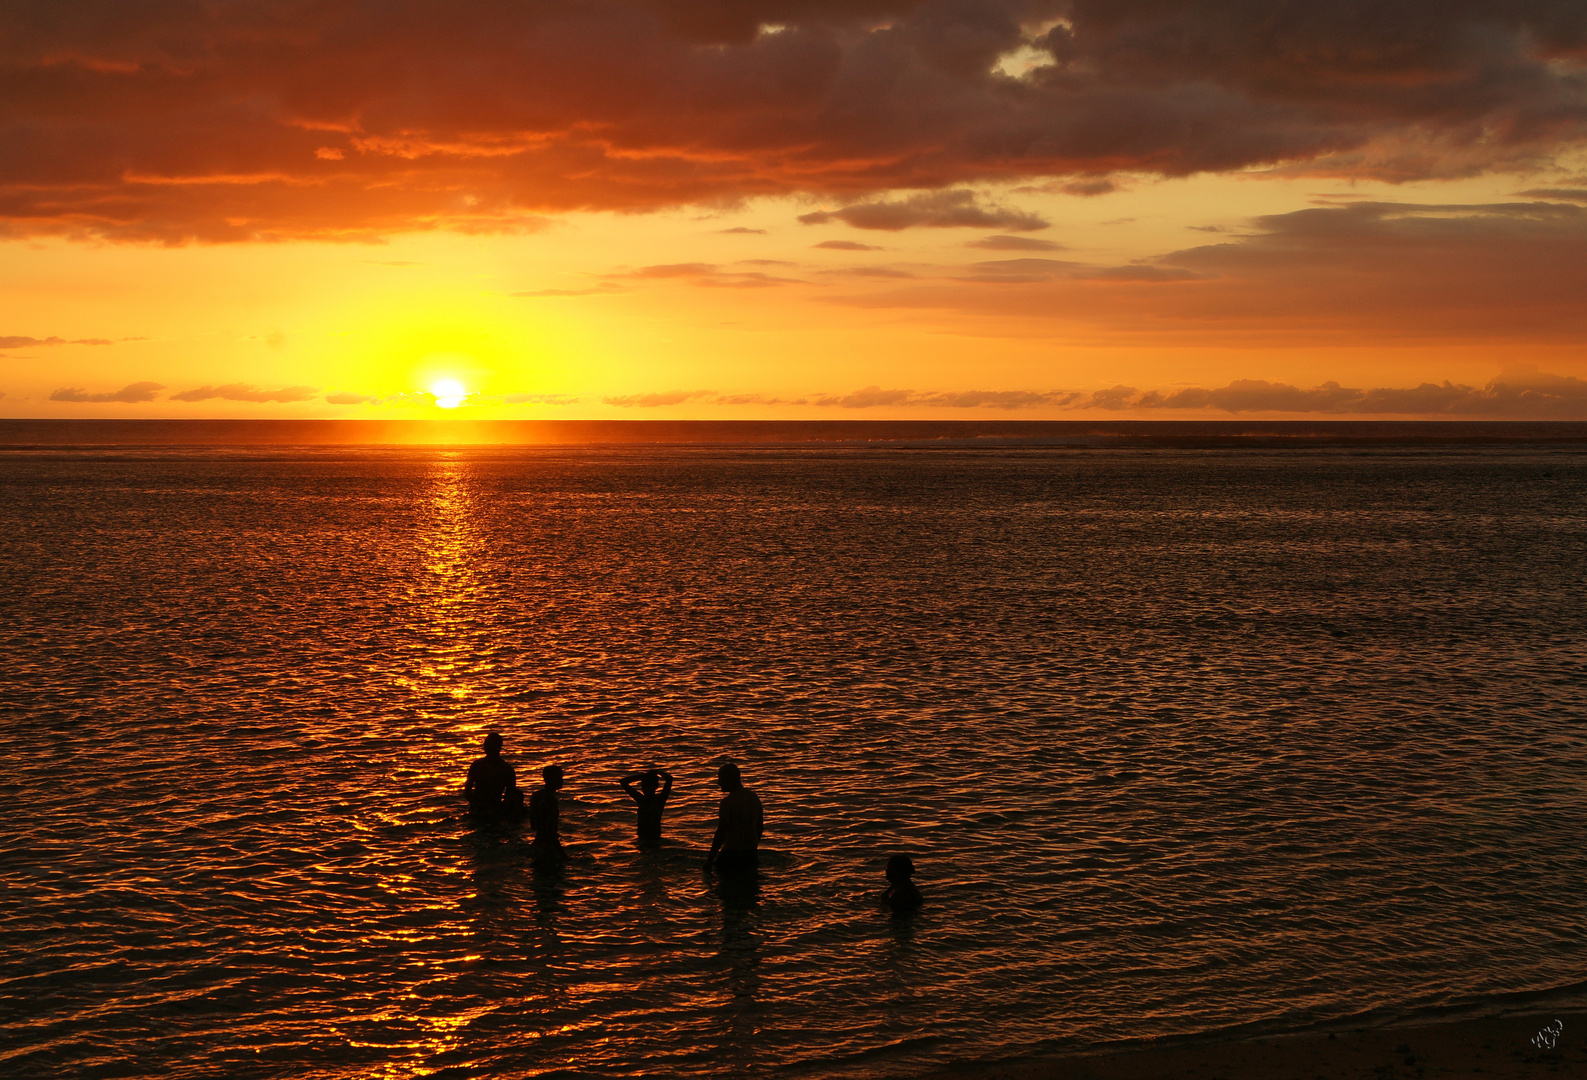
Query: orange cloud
(1013, 243)
(131, 394)
(275, 119)
(706, 274)
(934, 209)
(17, 341)
(246, 392)
(1518, 395)
(1332, 274)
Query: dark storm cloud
(169, 120)
(131, 394)
(245, 392)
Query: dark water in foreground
(1181, 740)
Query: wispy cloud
(655, 401)
(1019, 271)
(871, 271)
(956, 209)
(873, 397)
(131, 394)
(20, 341)
(1576, 195)
(1519, 394)
(1013, 243)
(1513, 395)
(1500, 273)
(246, 392)
(539, 399)
(602, 290)
(708, 275)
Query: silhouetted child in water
(651, 802)
(901, 894)
(544, 816)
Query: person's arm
(716, 841)
(627, 784)
(666, 785)
(468, 784)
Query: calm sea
(1182, 740)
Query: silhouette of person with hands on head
(901, 894)
(651, 802)
(492, 787)
(739, 824)
(545, 815)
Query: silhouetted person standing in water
(901, 894)
(492, 787)
(545, 815)
(651, 802)
(739, 823)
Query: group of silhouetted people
(493, 794)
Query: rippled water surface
(1180, 740)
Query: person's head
(552, 775)
(649, 782)
(900, 868)
(727, 777)
(492, 744)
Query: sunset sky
(793, 208)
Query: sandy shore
(1488, 1048)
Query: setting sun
(449, 393)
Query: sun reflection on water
(449, 588)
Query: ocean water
(1181, 741)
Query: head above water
(493, 744)
(649, 782)
(900, 868)
(728, 779)
(552, 775)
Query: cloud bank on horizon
(171, 120)
(1523, 394)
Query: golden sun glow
(449, 393)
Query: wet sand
(1490, 1048)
